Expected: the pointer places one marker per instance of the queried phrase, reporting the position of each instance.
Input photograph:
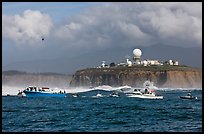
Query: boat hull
(146, 97)
(43, 94)
(187, 97)
(114, 95)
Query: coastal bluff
(162, 76)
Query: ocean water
(104, 114)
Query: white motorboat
(114, 95)
(75, 95)
(148, 92)
(145, 96)
(99, 95)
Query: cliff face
(136, 76)
(183, 79)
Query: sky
(75, 29)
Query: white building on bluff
(137, 53)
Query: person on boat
(19, 92)
(99, 94)
(189, 94)
(114, 93)
(146, 91)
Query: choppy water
(111, 114)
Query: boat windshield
(189, 94)
(136, 89)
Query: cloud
(27, 28)
(113, 24)
(92, 34)
(133, 24)
(176, 23)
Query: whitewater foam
(13, 90)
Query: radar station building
(137, 61)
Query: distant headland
(134, 73)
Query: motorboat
(114, 95)
(188, 96)
(145, 96)
(75, 95)
(33, 91)
(99, 95)
(148, 92)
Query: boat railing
(43, 89)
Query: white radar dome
(137, 53)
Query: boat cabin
(42, 89)
(37, 89)
(189, 94)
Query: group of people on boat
(148, 91)
(114, 94)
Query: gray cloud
(133, 24)
(124, 24)
(102, 28)
(27, 28)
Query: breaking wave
(13, 90)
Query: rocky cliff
(162, 76)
